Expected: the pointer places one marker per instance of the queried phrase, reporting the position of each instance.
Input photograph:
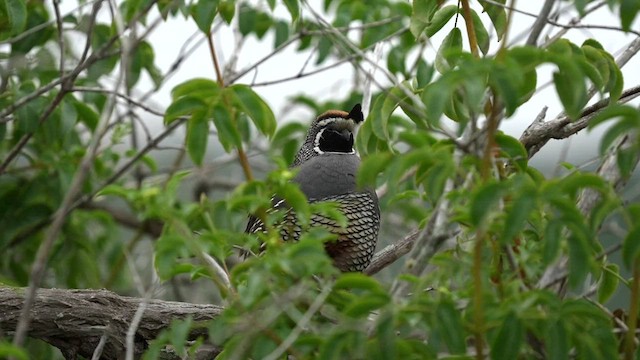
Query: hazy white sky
(169, 37)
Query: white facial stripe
(316, 142)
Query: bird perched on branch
(327, 166)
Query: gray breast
(328, 175)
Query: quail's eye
(332, 140)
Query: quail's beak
(347, 135)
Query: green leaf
(592, 73)
(497, 14)
(518, 214)
(440, 18)
(435, 98)
(363, 306)
(513, 149)
(556, 341)
(203, 13)
(622, 127)
(631, 247)
(199, 87)
(14, 15)
(483, 201)
(10, 351)
(579, 256)
(504, 79)
(449, 325)
(395, 60)
(616, 80)
(386, 335)
(571, 87)
(372, 165)
(246, 19)
(424, 74)
(506, 344)
(262, 25)
(421, 14)
(294, 9)
(197, 136)
(382, 108)
(596, 58)
(482, 35)
(627, 160)
(449, 51)
(608, 283)
(295, 198)
(628, 11)
(228, 134)
(227, 9)
(324, 47)
(351, 281)
(184, 106)
(178, 333)
(613, 111)
(255, 108)
(282, 33)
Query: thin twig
(300, 325)
(97, 353)
(120, 95)
(540, 22)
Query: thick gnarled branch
(75, 320)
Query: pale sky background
(169, 37)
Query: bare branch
(75, 321)
(391, 253)
(540, 22)
(540, 132)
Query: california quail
(327, 166)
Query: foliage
(522, 272)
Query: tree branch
(74, 321)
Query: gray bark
(74, 321)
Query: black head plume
(356, 114)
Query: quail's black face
(333, 140)
(331, 132)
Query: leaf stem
(471, 31)
(478, 314)
(242, 155)
(632, 321)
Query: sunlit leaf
(255, 108)
(422, 12)
(497, 14)
(440, 18)
(203, 13)
(482, 36)
(608, 283)
(184, 106)
(449, 51)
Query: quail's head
(333, 131)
